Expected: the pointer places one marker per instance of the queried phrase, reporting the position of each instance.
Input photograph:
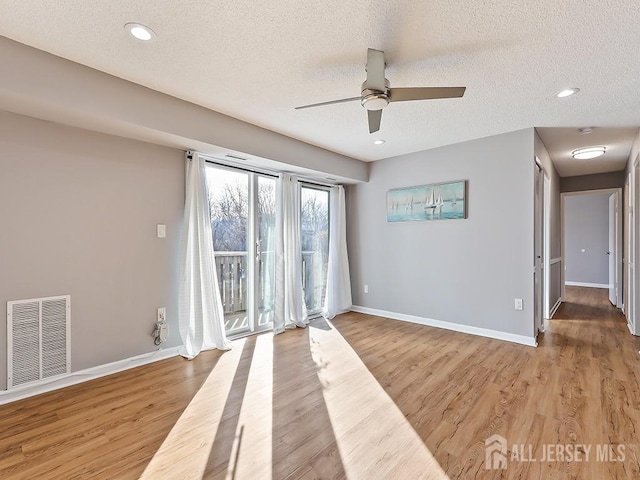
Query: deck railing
(231, 268)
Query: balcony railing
(231, 268)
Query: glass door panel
(315, 246)
(229, 206)
(265, 251)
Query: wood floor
(361, 398)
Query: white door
(613, 297)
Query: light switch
(161, 230)
(518, 304)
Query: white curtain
(200, 313)
(338, 297)
(290, 308)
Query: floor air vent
(38, 339)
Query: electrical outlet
(162, 314)
(366, 289)
(519, 304)
(161, 230)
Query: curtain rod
(223, 163)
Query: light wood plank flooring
(361, 397)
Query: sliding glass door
(243, 218)
(242, 206)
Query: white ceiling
(257, 60)
(561, 142)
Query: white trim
(553, 261)
(73, 378)
(456, 327)
(555, 309)
(590, 285)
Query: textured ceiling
(561, 142)
(257, 60)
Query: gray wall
(78, 212)
(587, 227)
(597, 181)
(460, 271)
(42, 85)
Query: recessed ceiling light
(588, 153)
(567, 92)
(139, 31)
(585, 130)
(378, 142)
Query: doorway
(592, 241)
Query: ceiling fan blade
(343, 100)
(424, 93)
(375, 116)
(375, 70)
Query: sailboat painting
(438, 201)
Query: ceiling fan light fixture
(588, 153)
(567, 92)
(139, 31)
(374, 100)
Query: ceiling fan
(377, 94)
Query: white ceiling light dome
(588, 153)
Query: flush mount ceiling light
(586, 130)
(588, 153)
(378, 142)
(139, 31)
(567, 92)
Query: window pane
(229, 204)
(315, 246)
(266, 250)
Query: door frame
(542, 246)
(546, 220)
(634, 247)
(618, 234)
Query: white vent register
(38, 339)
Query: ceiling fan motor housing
(374, 99)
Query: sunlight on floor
(251, 454)
(185, 452)
(374, 438)
(228, 427)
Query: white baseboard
(456, 327)
(555, 308)
(590, 285)
(48, 385)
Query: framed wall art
(438, 201)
